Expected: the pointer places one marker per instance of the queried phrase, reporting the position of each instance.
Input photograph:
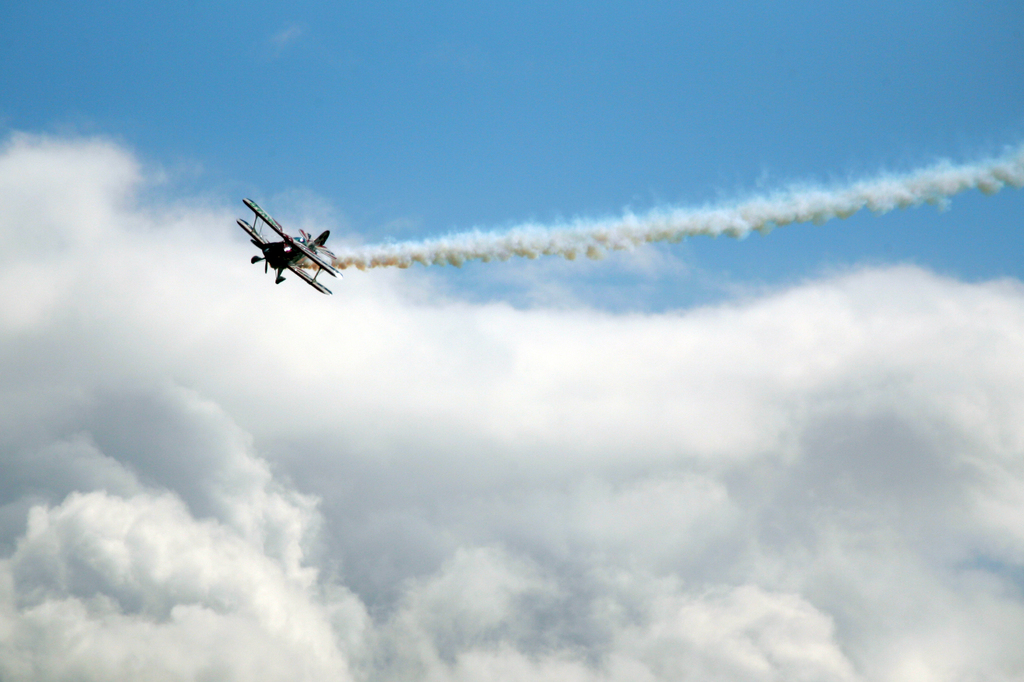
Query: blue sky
(790, 456)
(416, 119)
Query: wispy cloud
(286, 37)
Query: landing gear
(279, 278)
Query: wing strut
(311, 281)
(254, 234)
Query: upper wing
(263, 215)
(257, 238)
(313, 256)
(276, 227)
(309, 280)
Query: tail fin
(319, 241)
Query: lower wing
(309, 280)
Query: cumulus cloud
(107, 587)
(203, 475)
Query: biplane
(293, 253)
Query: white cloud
(206, 475)
(107, 587)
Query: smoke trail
(593, 238)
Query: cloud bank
(206, 478)
(594, 238)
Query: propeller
(256, 259)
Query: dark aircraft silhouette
(293, 253)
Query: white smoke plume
(593, 238)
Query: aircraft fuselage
(280, 255)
